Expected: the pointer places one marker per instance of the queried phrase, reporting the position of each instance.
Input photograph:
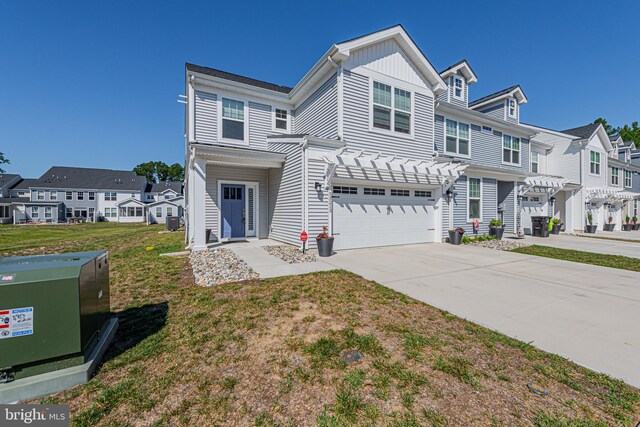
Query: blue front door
(233, 210)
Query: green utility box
(53, 309)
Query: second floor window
(534, 161)
(614, 176)
(627, 179)
(511, 108)
(458, 88)
(457, 138)
(110, 197)
(594, 162)
(40, 195)
(510, 149)
(281, 119)
(391, 108)
(68, 195)
(232, 119)
(53, 195)
(80, 195)
(92, 195)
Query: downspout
(305, 190)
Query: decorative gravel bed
(217, 266)
(290, 254)
(501, 245)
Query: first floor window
(53, 195)
(159, 212)
(138, 211)
(92, 195)
(400, 193)
(627, 179)
(422, 193)
(123, 211)
(614, 176)
(48, 212)
(281, 119)
(510, 149)
(68, 195)
(69, 212)
(338, 189)
(232, 119)
(474, 198)
(169, 211)
(391, 108)
(35, 212)
(80, 195)
(594, 162)
(457, 138)
(110, 212)
(635, 208)
(4, 211)
(374, 191)
(534, 161)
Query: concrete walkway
(586, 313)
(624, 235)
(601, 246)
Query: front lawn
(603, 260)
(269, 353)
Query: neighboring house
(7, 181)
(163, 190)
(160, 210)
(381, 148)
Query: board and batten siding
(486, 149)
(359, 136)
(506, 198)
(489, 205)
(285, 195)
(228, 173)
(318, 114)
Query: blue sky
(95, 84)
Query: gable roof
(172, 202)
(90, 179)
(129, 200)
(6, 178)
(515, 91)
(159, 187)
(464, 68)
(24, 184)
(236, 78)
(583, 132)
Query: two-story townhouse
(351, 146)
(164, 200)
(7, 181)
(625, 174)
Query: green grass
(603, 260)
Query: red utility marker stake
(304, 237)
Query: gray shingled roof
(91, 179)
(237, 78)
(24, 184)
(5, 178)
(494, 95)
(455, 65)
(13, 199)
(159, 187)
(583, 132)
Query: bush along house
(373, 143)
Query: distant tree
(3, 161)
(610, 129)
(630, 133)
(160, 171)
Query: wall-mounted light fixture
(449, 194)
(552, 199)
(318, 186)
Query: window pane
(506, 155)
(474, 187)
(381, 118)
(451, 145)
(281, 124)
(402, 122)
(232, 109)
(452, 128)
(515, 157)
(463, 130)
(281, 114)
(463, 147)
(402, 100)
(534, 167)
(506, 141)
(233, 130)
(515, 143)
(381, 94)
(534, 156)
(474, 208)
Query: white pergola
(443, 172)
(608, 193)
(543, 184)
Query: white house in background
(160, 210)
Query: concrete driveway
(586, 313)
(601, 246)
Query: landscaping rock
(501, 245)
(290, 254)
(217, 266)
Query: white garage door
(371, 216)
(533, 206)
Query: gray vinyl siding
(75, 203)
(57, 213)
(489, 205)
(318, 201)
(357, 133)
(445, 218)
(228, 173)
(285, 195)
(494, 110)
(318, 114)
(260, 125)
(465, 92)
(486, 149)
(506, 198)
(206, 117)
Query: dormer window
(511, 108)
(458, 88)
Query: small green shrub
(495, 222)
(480, 238)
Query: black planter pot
(556, 228)
(497, 231)
(590, 228)
(609, 227)
(627, 227)
(325, 247)
(455, 238)
(636, 227)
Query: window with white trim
(457, 138)
(169, 211)
(53, 195)
(487, 130)
(35, 212)
(635, 208)
(110, 197)
(69, 212)
(594, 162)
(422, 193)
(474, 199)
(92, 195)
(80, 195)
(458, 87)
(374, 191)
(68, 195)
(614, 176)
(511, 108)
(159, 211)
(391, 108)
(510, 149)
(110, 212)
(534, 161)
(40, 195)
(281, 118)
(628, 178)
(339, 189)
(399, 193)
(48, 212)
(4, 211)
(232, 119)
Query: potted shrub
(455, 236)
(627, 226)
(325, 242)
(556, 226)
(590, 228)
(609, 226)
(634, 223)
(496, 228)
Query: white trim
(599, 163)
(444, 147)
(469, 220)
(392, 109)
(502, 148)
(515, 108)
(457, 78)
(256, 209)
(465, 69)
(516, 92)
(275, 107)
(624, 183)
(232, 97)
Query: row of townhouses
(377, 145)
(65, 194)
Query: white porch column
(198, 190)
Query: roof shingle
(90, 179)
